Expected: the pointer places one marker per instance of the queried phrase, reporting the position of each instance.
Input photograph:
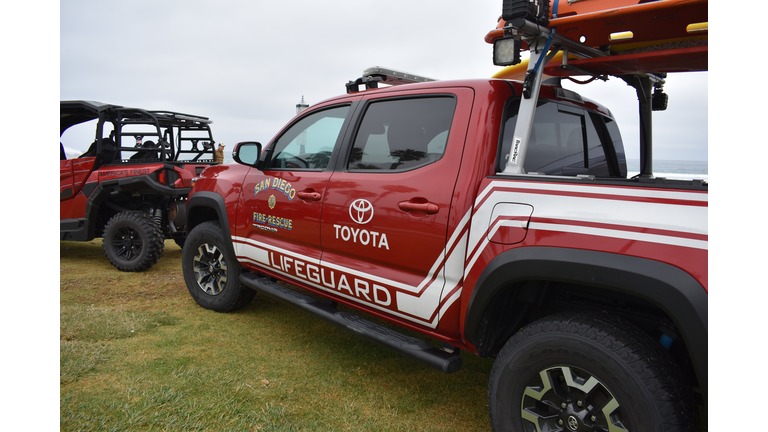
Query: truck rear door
(387, 205)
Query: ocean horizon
(673, 169)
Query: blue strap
(554, 8)
(546, 48)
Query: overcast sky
(246, 64)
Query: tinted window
(596, 161)
(403, 134)
(309, 143)
(560, 136)
(618, 146)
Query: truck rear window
(565, 140)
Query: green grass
(137, 353)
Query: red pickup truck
(589, 287)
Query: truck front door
(283, 203)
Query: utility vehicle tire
(133, 241)
(586, 372)
(211, 275)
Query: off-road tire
(211, 274)
(132, 241)
(577, 371)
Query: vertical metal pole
(526, 113)
(643, 87)
(302, 138)
(646, 127)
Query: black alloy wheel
(212, 276)
(574, 372)
(571, 399)
(210, 269)
(133, 241)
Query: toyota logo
(573, 424)
(361, 211)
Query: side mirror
(247, 152)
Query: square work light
(506, 51)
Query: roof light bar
(395, 77)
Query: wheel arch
(95, 215)
(672, 290)
(207, 206)
(108, 198)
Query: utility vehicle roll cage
(179, 137)
(169, 129)
(666, 36)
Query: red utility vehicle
(131, 185)
(491, 216)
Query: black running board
(442, 360)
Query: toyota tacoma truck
(130, 186)
(490, 216)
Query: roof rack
(375, 74)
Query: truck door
(283, 202)
(386, 211)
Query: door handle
(314, 196)
(427, 207)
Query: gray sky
(246, 64)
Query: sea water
(673, 169)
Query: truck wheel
(584, 372)
(211, 275)
(133, 241)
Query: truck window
(596, 160)
(402, 134)
(309, 143)
(560, 138)
(617, 145)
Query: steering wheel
(286, 159)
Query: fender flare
(670, 288)
(213, 201)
